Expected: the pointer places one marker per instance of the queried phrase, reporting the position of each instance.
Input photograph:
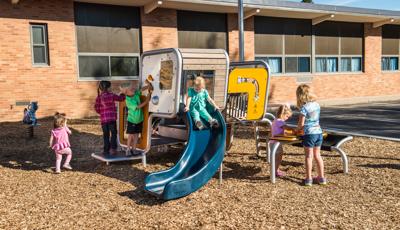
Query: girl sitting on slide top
(135, 113)
(59, 141)
(105, 106)
(278, 128)
(312, 139)
(196, 103)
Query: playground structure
(240, 89)
(174, 71)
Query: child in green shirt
(135, 114)
(196, 104)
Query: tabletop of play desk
(291, 138)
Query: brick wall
(233, 38)
(159, 29)
(56, 87)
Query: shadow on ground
(381, 166)
(30, 154)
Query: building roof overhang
(272, 8)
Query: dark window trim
(390, 56)
(45, 44)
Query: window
(336, 41)
(190, 75)
(390, 63)
(390, 47)
(326, 64)
(297, 65)
(194, 30)
(166, 74)
(108, 41)
(350, 64)
(275, 63)
(285, 44)
(39, 44)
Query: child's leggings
(59, 153)
(200, 112)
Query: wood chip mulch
(96, 196)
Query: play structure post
(241, 33)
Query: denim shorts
(312, 140)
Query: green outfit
(198, 104)
(135, 114)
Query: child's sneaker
(135, 153)
(128, 152)
(199, 125)
(308, 182)
(57, 171)
(67, 167)
(320, 180)
(214, 123)
(279, 173)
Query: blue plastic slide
(201, 159)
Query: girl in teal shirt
(196, 104)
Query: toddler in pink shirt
(59, 141)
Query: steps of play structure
(262, 139)
(263, 132)
(263, 148)
(200, 160)
(120, 156)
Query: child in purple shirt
(278, 128)
(105, 106)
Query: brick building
(56, 51)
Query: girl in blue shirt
(312, 139)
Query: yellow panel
(142, 144)
(121, 122)
(244, 80)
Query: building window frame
(390, 57)
(356, 61)
(351, 57)
(109, 56)
(283, 62)
(337, 57)
(265, 57)
(44, 45)
(298, 56)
